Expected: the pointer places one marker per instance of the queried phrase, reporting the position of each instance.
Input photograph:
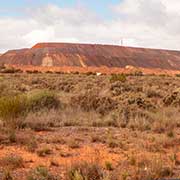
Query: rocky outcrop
(92, 55)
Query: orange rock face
(89, 55)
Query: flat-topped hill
(92, 55)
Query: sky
(137, 23)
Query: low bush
(41, 173)
(73, 144)
(42, 100)
(141, 102)
(12, 108)
(118, 77)
(85, 170)
(33, 71)
(44, 151)
(117, 88)
(62, 86)
(92, 102)
(12, 136)
(137, 73)
(12, 161)
(7, 175)
(10, 70)
(177, 75)
(48, 72)
(153, 94)
(108, 166)
(113, 143)
(90, 73)
(172, 99)
(32, 144)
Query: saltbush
(92, 102)
(42, 100)
(118, 77)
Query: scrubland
(86, 127)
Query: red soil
(103, 70)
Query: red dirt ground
(103, 70)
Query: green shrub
(12, 108)
(85, 170)
(42, 100)
(92, 102)
(12, 136)
(177, 75)
(109, 166)
(137, 73)
(41, 173)
(10, 70)
(33, 71)
(118, 77)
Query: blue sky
(140, 23)
(16, 7)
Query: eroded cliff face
(91, 55)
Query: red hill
(91, 55)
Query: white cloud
(52, 14)
(172, 6)
(39, 35)
(154, 23)
(146, 23)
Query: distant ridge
(92, 55)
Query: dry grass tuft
(12, 161)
